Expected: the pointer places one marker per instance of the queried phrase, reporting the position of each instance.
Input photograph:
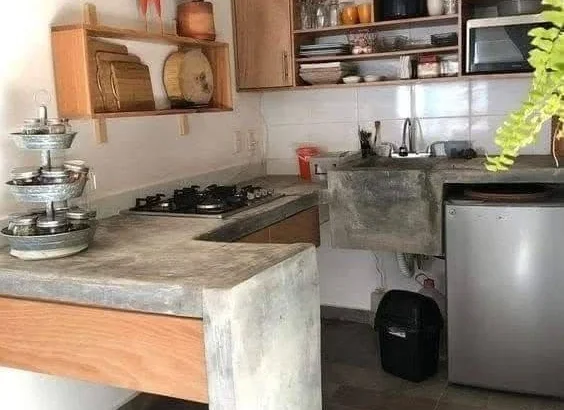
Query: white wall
(465, 109)
(140, 152)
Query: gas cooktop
(214, 201)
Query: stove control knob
(270, 191)
(258, 193)
(250, 195)
(264, 192)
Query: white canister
(435, 7)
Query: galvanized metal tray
(43, 247)
(47, 193)
(43, 141)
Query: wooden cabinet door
(262, 236)
(300, 228)
(263, 43)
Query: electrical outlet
(237, 142)
(252, 141)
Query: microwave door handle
(505, 21)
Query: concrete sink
(396, 204)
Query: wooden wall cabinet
(263, 44)
(303, 227)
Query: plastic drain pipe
(405, 264)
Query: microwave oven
(500, 44)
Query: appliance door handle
(286, 69)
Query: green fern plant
(545, 99)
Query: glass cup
(365, 12)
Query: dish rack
(41, 244)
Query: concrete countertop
(397, 204)
(161, 264)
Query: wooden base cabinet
(300, 228)
(263, 44)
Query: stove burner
(214, 200)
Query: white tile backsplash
(441, 99)
(458, 110)
(497, 97)
(483, 130)
(384, 103)
(441, 129)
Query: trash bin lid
(408, 310)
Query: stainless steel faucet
(407, 147)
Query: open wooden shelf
(383, 25)
(135, 35)
(182, 111)
(418, 81)
(78, 91)
(374, 56)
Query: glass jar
(33, 126)
(68, 126)
(22, 225)
(25, 175)
(57, 175)
(56, 126)
(334, 13)
(78, 218)
(52, 226)
(428, 67)
(449, 66)
(77, 168)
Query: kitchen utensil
(400, 9)
(516, 7)
(188, 78)
(47, 193)
(94, 47)
(435, 7)
(132, 88)
(195, 19)
(349, 15)
(104, 77)
(450, 6)
(444, 40)
(43, 142)
(365, 12)
(41, 247)
(405, 68)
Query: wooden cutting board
(95, 46)
(104, 76)
(132, 88)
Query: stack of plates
(326, 73)
(320, 50)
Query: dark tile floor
(353, 380)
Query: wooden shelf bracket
(183, 125)
(100, 130)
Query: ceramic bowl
(352, 79)
(371, 78)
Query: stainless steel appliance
(505, 288)
(214, 201)
(500, 44)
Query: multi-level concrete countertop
(190, 267)
(397, 204)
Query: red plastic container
(304, 155)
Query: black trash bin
(409, 326)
